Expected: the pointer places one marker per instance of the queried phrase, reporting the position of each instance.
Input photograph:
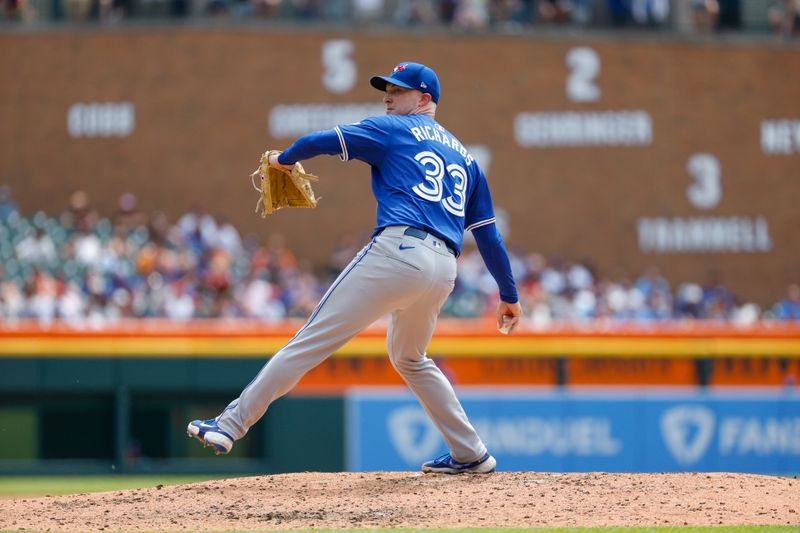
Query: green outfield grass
(11, 486)
(738, 529)
(722, 529)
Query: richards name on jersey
(427, 133)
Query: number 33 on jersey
(422, 175)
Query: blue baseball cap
(410, 76)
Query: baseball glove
(281, 187)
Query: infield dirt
(415, 500)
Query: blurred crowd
(700, 16)
(83, 268)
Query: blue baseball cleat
(447, 465)
(209, 433)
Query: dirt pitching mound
(414, 500)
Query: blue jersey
(422, 176)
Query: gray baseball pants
(394, 274)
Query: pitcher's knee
(407, 364)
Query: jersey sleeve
(495, 256)
(310, 145)
(366, 140)
(480, 211)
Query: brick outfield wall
(202, 103)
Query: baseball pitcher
(429, 190)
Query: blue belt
(422, 235)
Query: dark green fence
(79, 415)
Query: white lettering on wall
(570, 129)
(339, 71)
(768, 436)
(705, 191)
(780, 136)
(713, 234)
(582, 436)
(482, 154)
(101, 119)
(289, 121)
(688, 432)
(584, 67)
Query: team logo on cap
(399, 68)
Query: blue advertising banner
(562, 431)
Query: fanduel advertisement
(636, 431)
